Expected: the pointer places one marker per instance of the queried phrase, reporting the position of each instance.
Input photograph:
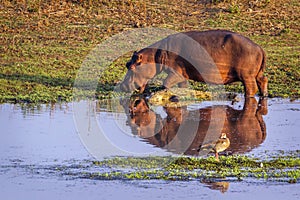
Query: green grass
(43, 44)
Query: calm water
(40, 146)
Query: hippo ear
(139, 58)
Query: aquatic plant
(285, 168)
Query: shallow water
(43, 148)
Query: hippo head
(141, 68)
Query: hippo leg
(262, 83)
(183, 84)
(250, 87)
(172, 79)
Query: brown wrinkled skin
(216, 57)
(184, 131)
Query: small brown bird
(217, 146)
(221, 145)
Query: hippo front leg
(262, 83)
(183, 84)
(174, 78)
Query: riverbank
(43, 44)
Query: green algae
(185, 96)
(283, 168)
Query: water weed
(285, 168)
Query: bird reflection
(198, 132)
(222, 186)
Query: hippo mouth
(137, 87)
(132, 87)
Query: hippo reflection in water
(184, 131)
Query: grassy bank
(43, 43)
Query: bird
(217, 146)
(221, 145)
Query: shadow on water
(185, 131)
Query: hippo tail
(263, 63)
(262, 81)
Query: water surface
(43, 147)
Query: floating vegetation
(285, 168)
(178, 97)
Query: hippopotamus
(213, 57)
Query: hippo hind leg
(250, 86)
(262, 83)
